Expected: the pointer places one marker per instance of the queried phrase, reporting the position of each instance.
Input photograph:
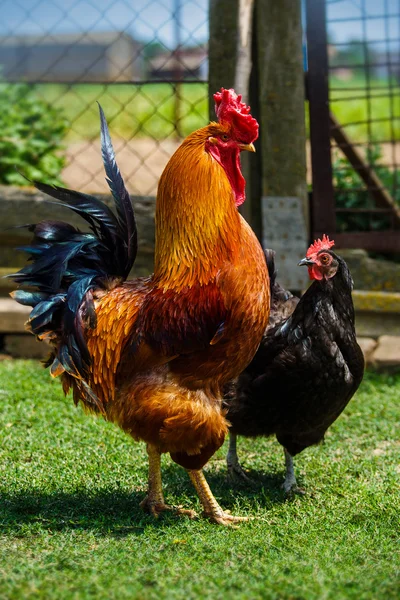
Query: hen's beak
(248, 147)
(305, 262)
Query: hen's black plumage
(305, 371)
(283, 302)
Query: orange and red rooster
(152, 354)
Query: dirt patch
(142, 161)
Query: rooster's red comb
(318, 245)
(229, 108)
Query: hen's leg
(232, 461)
(154, 501)
(290, 483)
(212, 509)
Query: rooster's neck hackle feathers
(197, 223)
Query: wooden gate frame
(323, 127)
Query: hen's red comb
(229, 108)
(319, 245)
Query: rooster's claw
(156, 508)
(225, 518)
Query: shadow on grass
(263, 488)
(117, 512)
(106, 512)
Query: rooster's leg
(290, 483)
(154, 501)
(232, 461)
(212, 509)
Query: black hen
(307, 367)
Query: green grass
(147, 110)
(71, 526)
(379, 109)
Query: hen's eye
(224, 137)
(324, 259)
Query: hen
(308, 365)
(152, 354)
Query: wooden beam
(365, 171)
(323, 202)
(374, 241)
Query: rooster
(308, 365)
(152, 354)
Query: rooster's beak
(248, 147)
(305, 262)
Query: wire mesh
(364, 97)
(144, 61)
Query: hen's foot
(236, 472)
(156, 507)
(295, 489)
(235, 469)
(290, 484)
(290, 487)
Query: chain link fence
(364, 98)
(144, 61)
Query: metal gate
(355, 153)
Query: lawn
(132, 110)
(71, 526)
(350, 105)
(148, 110)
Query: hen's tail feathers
(283, 303)
(272, 272)
(66, 264)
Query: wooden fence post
(230, 62)
(283, 138)
(267, 51)
(222, 46)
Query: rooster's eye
(224, 137)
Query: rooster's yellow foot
(225, 518)
(155, 508)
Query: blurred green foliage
(350, 192)
(31, 136)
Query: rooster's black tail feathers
(66, 264)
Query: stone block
(25, 346)
(379, 302)
(373, 324)
(12, 316)
(371, 274)
(368, 346)
(377, 313)
(387, 353)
